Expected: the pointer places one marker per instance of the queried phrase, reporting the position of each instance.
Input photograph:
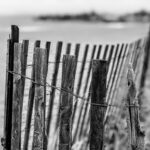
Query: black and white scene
(74, 75)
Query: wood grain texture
(47, 46)
(136, 134)
(66, 102)
(17, 100)
(9, 87)
(97, 113)
(39, 116)
(30, 101)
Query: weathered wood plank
(98, 95)
(30, 101)
(76, 53)
(68, 49)
(17, 99)
(39, 117)
(66, 102)
(137, 135)
(47, 46)
(9, 88)
(77, 48)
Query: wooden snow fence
(63, 93)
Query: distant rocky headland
(141, 16)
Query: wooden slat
(30, 101)
(17, 99)
(66, 102)
(111, 53)
(9, 87)
(80, 81)
(39, 117)
(137, 136)
(54, 81)
(146, 61)
(98, 90)
(105, 52)
(47, 47)
(138, 49)
(77, 49)
(24, 55)
(99, 51)
(68, 49)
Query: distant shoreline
(141, 16)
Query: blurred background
(87, 21)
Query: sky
(36, 7)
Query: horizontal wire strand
(75, 95)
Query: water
(82, 32)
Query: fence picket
(79, 82)
(66, 102)
(9, 87)
(17, 99)
(68, 49)
(98, 95)
(137, 136)
(30, 101)
(39, 117)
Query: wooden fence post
(39, 117)
(66, 102)
(30, 102)
(137, 136)
(20, 60)
(6, 140)
(98, 95)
